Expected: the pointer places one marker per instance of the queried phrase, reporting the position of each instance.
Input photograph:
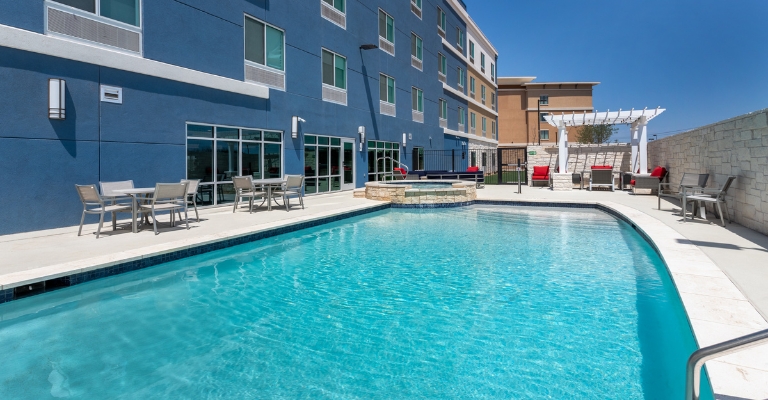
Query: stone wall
(737, 146)
(582, 156)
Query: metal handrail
(400, 165)
(700, 356)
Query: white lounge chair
(91, 198)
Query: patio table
(269, 184)
(135, 193)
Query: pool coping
(715, 308)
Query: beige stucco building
(518, 108)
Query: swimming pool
(508, 303)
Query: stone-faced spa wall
(737, 146)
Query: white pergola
(637, 119)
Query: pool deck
(721, 273)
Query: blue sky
(704, 61)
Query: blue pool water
(473, 302)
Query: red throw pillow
(473, 169)
(632, 182)
(658, 172)
(541, 170)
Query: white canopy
(638, 119)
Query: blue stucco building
(162, 90)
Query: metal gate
(509, 160)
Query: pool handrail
(700, 356)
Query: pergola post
(643, 144)
(634, 136)
(562, 135)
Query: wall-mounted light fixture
(405, 137)
(56, 102)
(295, 126)
(361, 131)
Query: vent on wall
(111, 94)
(387, 108)
(269, 78)
(334, 95)
(417, 116)
(76, 26)
(416, 63)
(387, 46)
(333, 15)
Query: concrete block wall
(582, 156)
(737, 146)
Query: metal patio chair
(714, 196)
(108, 194)
(244, 189)
(192, 195)
(689, 184)
(294, 186)
(91, 198)
(168, 197)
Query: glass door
(348, 164)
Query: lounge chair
(169, 197)
(601, 176)
(715, 196)
(294, 186)
(648, 181)
(91, 198)
(540, 174)
(689, 184)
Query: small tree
(595, 133)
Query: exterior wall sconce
(295, 126)
(361, 131)
(56, 102)
(405, 137)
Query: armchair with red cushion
(540, 174)
(646, 181)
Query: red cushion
(602, 167)
(541, 170)
(632, 182)
(473, 169)
(540, 177)
(400, 170)
(658, 172)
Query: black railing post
(453, 160)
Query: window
(484, 124)
(216, 153)
(541, 117)
(461, 78)
(493, 100)
(482, 62)
(544, 100)
(442, 64)
(417, 4)
(544, 134)
(417, 47)
(459, 38)
(264, 44)
(493, 72)
(462, 117)
(472, 120)
(441, 19)
(337, 4)
(472, 85)
(482, 93)
(417, 99)
(493, 129)
(471, 49)
(125, 11)
(443, 109)
(380, 159)
(386, 89)
(386, 26)
(323, 162)
(334, 70)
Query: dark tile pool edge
(43, 286)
